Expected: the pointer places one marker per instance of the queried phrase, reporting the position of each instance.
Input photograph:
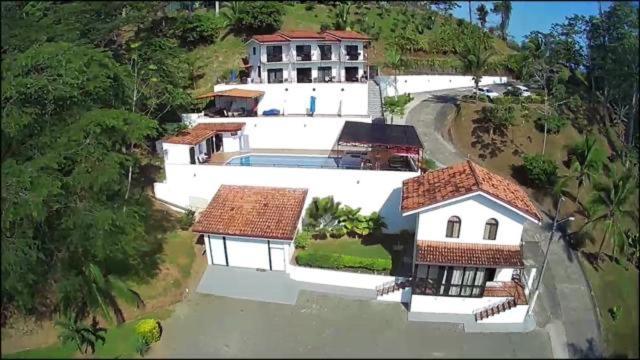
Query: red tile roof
(269, 38)
(332, 35)
(347, 35)
(468, 254)
(436, 186)
(198, 133)
(253, 211)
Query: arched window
(453, 227)
(490, 229)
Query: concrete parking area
(326, 326)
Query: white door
(248, 253)
(216, 245)
(277, 257)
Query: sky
(527, 16)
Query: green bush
(148, 330)
(337, 261)
(541, 171)
(187, 219)
(555, 123)
(302, 240)
(428, 163)
(142, 348)
(199, 28)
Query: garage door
(248, 253)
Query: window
(274, 53)
(352, 52)
(325, 52)
(274, 76)
(254, 50)
(490, 229)
(453, 227)
(324, 73)
(303, 52)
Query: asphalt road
(325, 326)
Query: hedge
(148, 330)
(338, 261)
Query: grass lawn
(349, 246)
(217, 58)
(614, 286)
(120, 341)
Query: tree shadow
(399, 246)
(589, 352)
(489, 147)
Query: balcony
(274, 58)
(303, 57)
(353, 56)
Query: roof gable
(442, 185)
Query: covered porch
(377, 146)
(231, 103)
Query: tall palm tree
(470, 18)
(81, 335)
(587, 162)
(101, 293)
(609, 205)
(475, 60)
(396, 62)
(230, 15)
(482, 13)
(503, 8)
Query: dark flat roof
(354, 132)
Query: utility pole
(217, 8)
(546, 253)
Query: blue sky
(527, 16)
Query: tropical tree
(587, 162)
(396, 62)
(322, 216)
(482, 13)
(499, 117)
(349, 218)
(475, 61)
(609, 207)
(342, 16)
(470, 18)
(632, 247)
(503, 8)
(83, 336)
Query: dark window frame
(272, 55)
(279, 80)
(423, 287)
(323, 54)
(492, 232)
(450, 230)
(304, 52)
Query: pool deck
(222, 157)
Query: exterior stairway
(495, 309)
(374, 100)
(393, 286)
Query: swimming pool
(284, 161)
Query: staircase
(393, 286)
(374, 100)
(495, 309)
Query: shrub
(428, 163)
(142, 348)
(148, 330)
(258, 17)
(541, 171)
(187, 219)
(302, 240)
(309, 6)
(199, 28)
(325, 26)
(614, 312)
(338, 261)
(555, 123)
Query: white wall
(331, 98)
(420, 83)
(370, 190)
(176, 153)
(451, 305)
(504, 274)
(310, 133)
(337, 278)
(473, 211)
(215, 250)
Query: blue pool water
(284, 161)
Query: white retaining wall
(337, 278)
(308, 133)
(370, 190)
(293, 98)
(451, 305)
(421, 83)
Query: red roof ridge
(473, 172)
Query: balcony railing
(274, 58)
(303, 57)
(353, 56)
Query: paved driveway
(326, 326)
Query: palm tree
(475, 60)
(482, 13)
(322, 216)
(81, 335)
(632, 247)
(396, 62)
(231, 15)
(503, 8)
(608, 206)
(587, 162)
(101, 293)
(470, 18)
(342, 16)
